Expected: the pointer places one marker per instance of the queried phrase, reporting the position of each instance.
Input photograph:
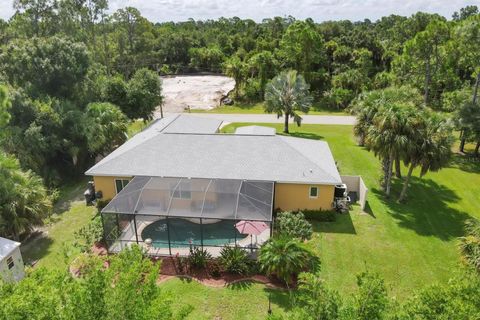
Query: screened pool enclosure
(169, 215)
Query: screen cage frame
(200, 203)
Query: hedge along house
(180, 183)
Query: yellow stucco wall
(287, 196)
(107, 186)
(297, 197)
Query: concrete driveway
(271, 118)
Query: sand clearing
(196, 92)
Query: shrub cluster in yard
(294, 225)
(316, 215)
(470, 243)
(89, 234)
(198, 257)
(233, 260)
(127, 289)
(286, 257)
(319, 215)
(459, 299)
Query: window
(10, 263)
(120, 184)
(313, 192)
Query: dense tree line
(62, 55)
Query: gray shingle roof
(175, 123)
(191, 124)
(256, 130)
(223, 156)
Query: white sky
(319, 10)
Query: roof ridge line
(101, 162)
(302, 154)
(173, 120)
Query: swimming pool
(184, 232)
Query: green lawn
(70, 214)
(135, 127)
(241, 301)
(257, 108)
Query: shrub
(286, 257)
(314, 300)
(180, 264)
(320, 215)
(234, 260)
(214, 269)
(371, 299)
(294, 225)
(198, 257)
(102, 204)
(470, 243)
(89, 234)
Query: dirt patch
(196, 92)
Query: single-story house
(11, 262)
(180, 182)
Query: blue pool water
(184, 232)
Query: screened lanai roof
(195, 198)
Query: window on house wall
(10, 263)
(313, 192)
(120, 184)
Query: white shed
(11, 262)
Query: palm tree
(106, 129)
(23, 198)
(367, 104)
(235, 67)
(389, 136)
(287, 94)
(285, 257)
(429, 148)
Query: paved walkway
(271, 118)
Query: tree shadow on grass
(279, 298)
(36, 247)
(241, 285)
(307, 135)
(342, 224)
(427, 210)
(70, 193)
(467, 163)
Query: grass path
(70, 214)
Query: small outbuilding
(11, 262)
